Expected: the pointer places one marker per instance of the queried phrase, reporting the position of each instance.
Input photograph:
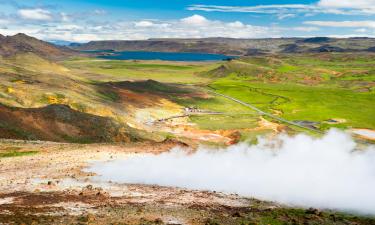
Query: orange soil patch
(265, 124)
(312, 80)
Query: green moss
(16, 153)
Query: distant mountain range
(22, 43)
(63, 43)
(232, 46)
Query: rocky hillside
(232, 46)
(62, 124)
(21, 43)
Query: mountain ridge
(22, 43)
(232, 46)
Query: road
(261, 112)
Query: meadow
(300, 87)
(328, 90)
(162, 71)
(305, 87)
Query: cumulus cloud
(35, 14)
(144, 24)
(195, 20)
(195, 26)
(328, 172)
(67, 27)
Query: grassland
(301, 87)
(305, 87)
(170, 72)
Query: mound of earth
(21, 43)
(60, 123)
(148, 86)
(255, 51)
(292, 48)
(221, 71)
(316, 40)
(327, 48)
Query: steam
(326, 173)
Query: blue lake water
(169, 56)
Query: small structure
(192, 109)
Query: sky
(89, 20)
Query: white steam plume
(301, 170)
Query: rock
(312, 211)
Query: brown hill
(62, 124)
(21, 43)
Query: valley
(62, 110)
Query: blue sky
(85, 20)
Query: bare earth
(50, 187)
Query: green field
(170, 72)
(305, 87)
(299, 87)
(308, 87)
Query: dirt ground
(50, 187)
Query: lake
(169, 56)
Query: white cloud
(35, 14)
(361, 30)
(4, 22)
(195, 20)
(195, 26)
(305, 29)
(100, 12)
(64, 17)
(202, 27)
(340, 7)
(285, 16)
(237, 24)
(356, 4)
(69, 27)
(355, 24)
(144, 24)
(268, 9)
